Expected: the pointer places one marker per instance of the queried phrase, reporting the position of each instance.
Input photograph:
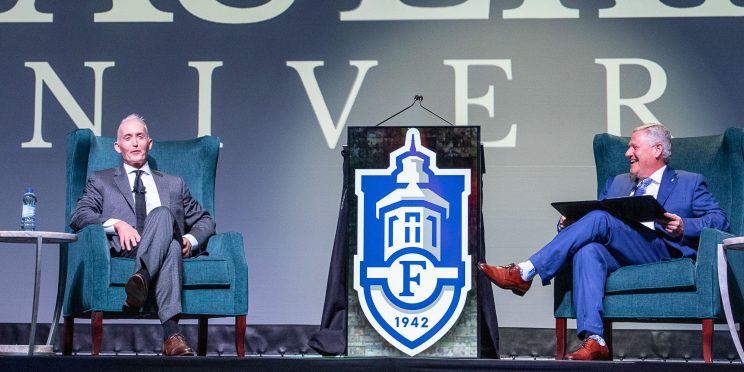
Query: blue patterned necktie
(641, 187)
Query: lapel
(163, 188)
(628, 185)
(668, 183)
(122, 182)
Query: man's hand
(564, 223)
(674, 225)
(185, 247)
(128, 236)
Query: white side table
(38, 238)
(730, 244)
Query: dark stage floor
(316, 364)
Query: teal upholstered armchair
(215, 285)
(678, 290)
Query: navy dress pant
(595, 246)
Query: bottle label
(28, 211)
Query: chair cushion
(666, 276)
(199, 272)
(102, 154)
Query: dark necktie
(641, 188)
(140, 207)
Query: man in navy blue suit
(600, 243)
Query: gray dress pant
(159, 251)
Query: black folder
(635, 208)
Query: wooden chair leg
(608, 334)
(561, 325)
(96, 330)
(708, 340)
(240, 335)
(69, 330)
(201, 347)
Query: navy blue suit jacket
(684, 194)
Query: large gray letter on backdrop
(45, 75)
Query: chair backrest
(193, 160)
(719, 158)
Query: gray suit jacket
(108, 195)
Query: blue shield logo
(412, 268)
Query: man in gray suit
(151, 217)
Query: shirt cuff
(192, 239)
(108, 226)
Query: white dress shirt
(652, 189)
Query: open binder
(635, 208)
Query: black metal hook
(417, 98)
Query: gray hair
(136, 117)
(658, 133)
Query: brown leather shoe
(176, 346)
(506, 277)
(590, 350)
(136, 289)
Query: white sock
(526, 270)
(599, 339)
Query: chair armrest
(230, 247)
(707, 246)
(706, 270)
(88, 261)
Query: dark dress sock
(145, 274)
(170, 327)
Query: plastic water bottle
(28, 215)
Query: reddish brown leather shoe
(506, 277)
(176, 346)
(136, 289)
(590, 350)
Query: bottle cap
(29, 190)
